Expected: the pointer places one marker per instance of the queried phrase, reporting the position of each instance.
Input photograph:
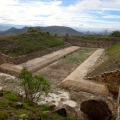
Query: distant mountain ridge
(52, 29)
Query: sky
(78, 14)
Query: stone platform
(37, 63)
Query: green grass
(33, 111)
(80, 56)
(114, 51)
(29, 42)
(10, 96)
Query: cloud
(83, 13)
(86, 5)
(112, 16)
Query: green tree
(115, 33)
(31, 29)
(33, 85)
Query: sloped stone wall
(111, 79)
(5, 59)
(24, 58)
(88, 43)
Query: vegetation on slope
(112, 62)
(12, 107)
(31, 41)
(115, 33)
(95, 38)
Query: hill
(111, 60)
(24, 43)
(61, 30)
(13, 31)
(4, 27)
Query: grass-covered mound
(112, 62)
(29, 42)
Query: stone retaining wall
(88, 43)
(6, 59)
(111, 79)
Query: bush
(115, 33)
(33, 85)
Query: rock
(52, 107)
(38, 118)
(96, 109)
(67, 111)
(1, 92)
(19, 105)
(23, 116)
(83, 116)
(61, 112)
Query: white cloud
(86, 5)
(112, 16)
(49, 13)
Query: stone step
(86, 86)
(10, 69)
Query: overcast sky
(103, 14)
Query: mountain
(14, 31)
(61, 30)
(3, 28)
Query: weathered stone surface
(24, 58)
(52, 107)
(111, 79)
(61, 112)
(1, 92)
(67, 111)
(19, 105)
(96, 109)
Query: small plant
(45, 108)
(11, 96)
(33, 85)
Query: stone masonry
(111, 79)
(7, 59)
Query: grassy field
(21, 44)
(79, 56)
(112, 62)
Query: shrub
(33, 85)
(115, 33)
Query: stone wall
(24, 58)
(111, 79)
(5, 59)
(88, 43)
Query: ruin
(101, 84)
